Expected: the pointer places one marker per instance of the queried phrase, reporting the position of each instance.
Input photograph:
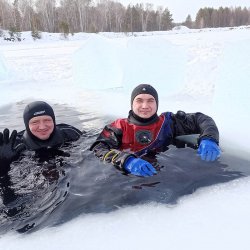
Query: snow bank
(96, 64)
(103, 63)
(232, 94)
(181, 28)
(3, 68)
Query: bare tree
(5, 14)
(159, 17)
(47, 12)
(106, 15)
(26, 8)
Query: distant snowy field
(193, 70)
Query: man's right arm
(106, 147)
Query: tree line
(70, 16)
(82, 16)
(222, 17)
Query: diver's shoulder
(69, 132)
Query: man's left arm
(199, 123)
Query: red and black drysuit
(126, 137)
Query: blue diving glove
(208, 150)
(139, 167)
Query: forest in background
(71, 16)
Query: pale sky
(181, 8)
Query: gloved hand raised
(208, 150)
(8, 151)
(139, 167)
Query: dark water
(38, 194)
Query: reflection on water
(38, 193)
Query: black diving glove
(8, 151)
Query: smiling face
(144, 105)
(41, 126)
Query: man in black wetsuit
(41, 135)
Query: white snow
(3, 68)
(181, 27)
(197, 70)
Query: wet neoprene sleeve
(4, 167)
(195, 123)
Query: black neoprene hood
(144, 89)
(35, 109)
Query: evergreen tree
(64, 27)
(167, 20)
(36, 34)
(188, 22)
